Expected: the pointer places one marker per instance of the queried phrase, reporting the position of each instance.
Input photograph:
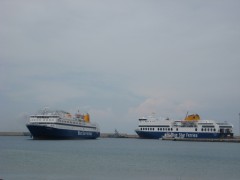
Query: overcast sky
(119, 60)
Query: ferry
(191, 127)
(62, 125)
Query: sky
(119, 60)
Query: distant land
(103, 135)
(14, 133)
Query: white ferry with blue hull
(61, 125)
(190, 127)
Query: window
(195, 129)
(176, 129)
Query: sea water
(117, 159)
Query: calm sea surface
(110, 159)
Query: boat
(116, 134)
(190, 127)
(58, 124)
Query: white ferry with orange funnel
(191, 127)
(62, 125)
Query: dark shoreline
(103, 135)
(15, 134)
(235, 139)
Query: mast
(186, 115)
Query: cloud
(164, 106)
(48, 93)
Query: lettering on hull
(181, 135)
(82, 133)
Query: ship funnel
(87, 117)
(192, 117)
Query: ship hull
(45, 132)
(157, 135)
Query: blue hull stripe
(157, 135)
(43, 132)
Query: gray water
(115, 159)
